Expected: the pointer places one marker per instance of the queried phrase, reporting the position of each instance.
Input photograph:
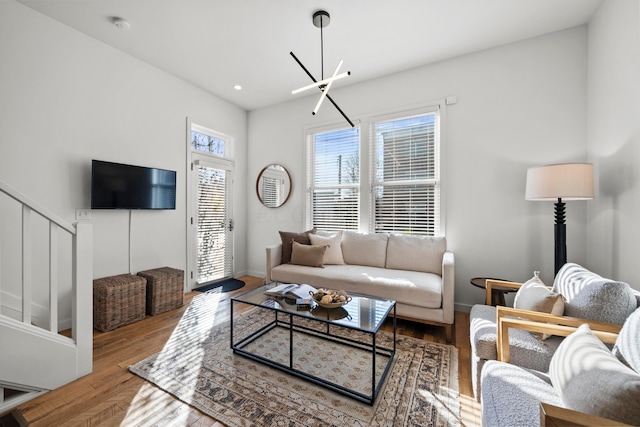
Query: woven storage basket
(164, 289)
(118, 301)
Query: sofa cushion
(627, 348)
(511, 395)
(333, 254)
(525, 349)
(590, 296)
(364, 248)
(407, 287)
(416, 253)
(310, 255)
(288, 237)
(588, 378)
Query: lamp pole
(560, 234)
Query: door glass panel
(214, 235)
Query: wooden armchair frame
(550, 415)
(554, 416)
(534, 321)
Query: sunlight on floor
(191, 332)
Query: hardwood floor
(112, 396)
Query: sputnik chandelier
(321, 19)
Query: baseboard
(465, 308)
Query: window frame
(366, 124)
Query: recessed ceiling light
(237, 87)
(120, 23)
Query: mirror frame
(258, 185)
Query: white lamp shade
(568, 181)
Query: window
(333, 167)
(400, 186)
(406, 175)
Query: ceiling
(216, 44)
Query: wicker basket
(118, 301)
(164, 289)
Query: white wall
(66, 98)
(519, 105)
(614, 140)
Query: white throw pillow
(333, 254)
(535, 296)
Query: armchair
(587, 296)
(587, 383)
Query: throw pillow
(588, 378)
(333, 254)
(310, 255)
(287, 237)
(535, 296)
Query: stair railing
(81, 272)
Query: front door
(210, 221)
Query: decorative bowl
(339, 298)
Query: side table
(497, 292)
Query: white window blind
(406, 175)
(214, 245)
(333, 166)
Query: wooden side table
(497, 292)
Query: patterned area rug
(198, 367)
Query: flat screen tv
(121, 186)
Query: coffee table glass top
(363, 312)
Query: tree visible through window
(403, 189)
(334, 164)
(406, 192)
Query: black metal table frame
(277, 322)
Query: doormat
(198, 366)
(227, 285)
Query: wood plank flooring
(112, 396)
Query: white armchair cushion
(589, 378)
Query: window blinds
(406, 175)
(333, 162)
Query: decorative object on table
(328, 298)
(303, 304)
(273, 186)
(291, 290)
(421, 388)
(321, 19)
(564, 181)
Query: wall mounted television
(122, 186)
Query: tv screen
(120, 186)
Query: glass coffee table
(314, 343)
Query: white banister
(26, 264)
(82, 312)
(73, 357)
(53, 277)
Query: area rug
(226, 285)
(198, 367)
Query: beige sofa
(415, 271)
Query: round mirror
(273, 186)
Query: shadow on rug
(198, 367)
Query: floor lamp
(565, 181)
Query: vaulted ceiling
(216, 44)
